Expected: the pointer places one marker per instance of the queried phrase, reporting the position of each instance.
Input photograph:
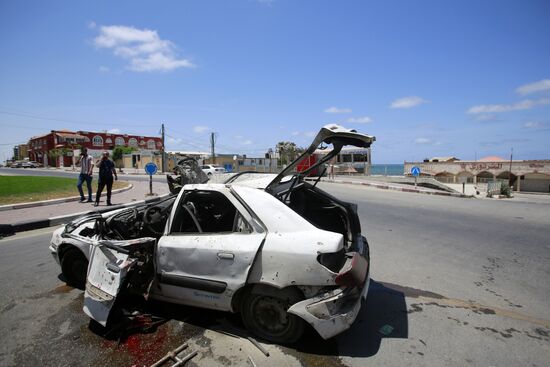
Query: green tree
(288, 151)
(53, 155)
(118, 152)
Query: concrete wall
(534, 175)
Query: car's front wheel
(266, 316)
(74, 267)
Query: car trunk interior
(324, 212)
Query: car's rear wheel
(74, 267)
(266, 316)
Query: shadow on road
(383, 315)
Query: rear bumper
(332, 313)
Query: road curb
(33, 204)
(28, 225)
(397, 188)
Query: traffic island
(19, 192)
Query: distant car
(29, 165)
(210, 169)
(273, 247)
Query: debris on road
(135, 322)
(173, 355)
(259, 346)
(251, 361)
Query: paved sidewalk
(135, 194)
(364, 180)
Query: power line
(37, 117)
(12, 143)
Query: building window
(98, 141)
(151, 144)
(133, 142)
(108, 141)
(120, 141)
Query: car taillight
(354, 272)
(334, 261)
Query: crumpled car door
(110, 262)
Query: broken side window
(203, 211)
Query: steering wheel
(122, 223)
(152, 217)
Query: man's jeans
(88, 179)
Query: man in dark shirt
(106, 172)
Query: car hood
(333, 134)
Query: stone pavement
(365, 181)
(138, 192)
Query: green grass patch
(22, 189)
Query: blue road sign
(150, 168)
(415, 171)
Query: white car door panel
(205, 269)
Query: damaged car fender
(289, 254)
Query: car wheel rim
(270, 315)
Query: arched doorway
(445, 177)
(484, 177)
(465, 175)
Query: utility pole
(163, 149)
(212, 147)
(510, 173)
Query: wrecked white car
(275, 248)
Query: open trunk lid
(333, 134)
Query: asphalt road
(455, 282)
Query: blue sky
(427, 78)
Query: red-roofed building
(492, 158)
(58, 147)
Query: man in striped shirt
(86, 168)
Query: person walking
(86, 163)
(106, 172)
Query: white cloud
(144, 49)
(422, 141)
(200, 129)
(540, 86)
(526, 104)
(486, 118)
(91, 25)
(295, 133)
(104, 69)
(246, 142)
(338, 110)
(310, 134)
(534, 125)
(360, 120)
(408, 102)
(114, 131)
